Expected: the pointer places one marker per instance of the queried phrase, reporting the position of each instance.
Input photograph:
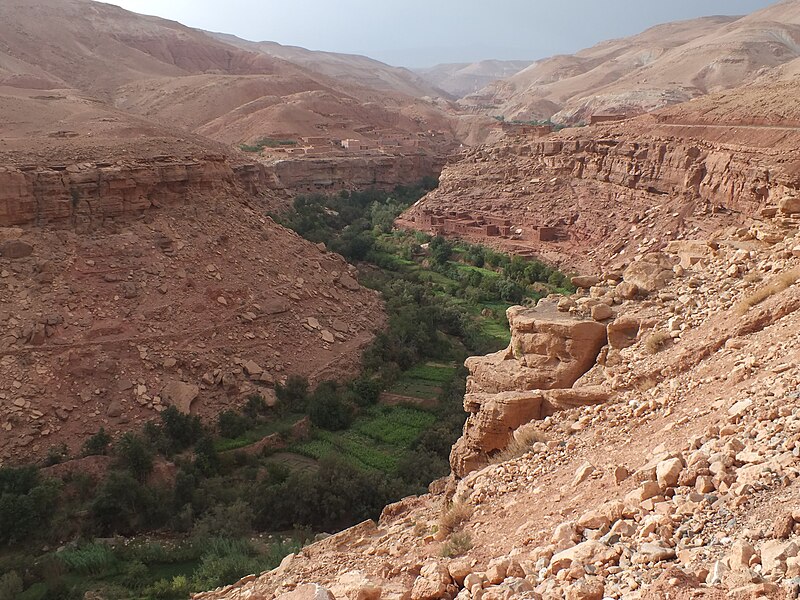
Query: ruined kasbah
(462, 223)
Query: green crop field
(256, 434)
(376, 440)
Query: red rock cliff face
(100, 191)
(585, 197)
(95, 192)
(334, 174)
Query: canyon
(637, 439)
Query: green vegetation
(266, 142)
(196, 499)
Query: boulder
(623, 332)
(653, 552)
(601, 312)
(774, 554)
(432, 583)
(15, 249)
(549, 349)
(308, 591)
(180, 395)
(669, 471)
(591, 552)
(252, 368)
(585, 281)
(585, 589)
(651, 273)
(789, 204)
(741, 555)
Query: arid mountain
(460, 79)
(188, 78)
(95, 48)
(664, 65)
(352, 68)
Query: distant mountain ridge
(663, 65)
(460, 79)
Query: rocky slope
(665, 65)
(130, 286)
(461, 79)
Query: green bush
(135, 455)
(27, 504)
(91, 559)
(328, 409)
(182, 430)
(97, 444)
(10, 586)
(292, 395)
(231, 424)
(254, 407)
(232, 521)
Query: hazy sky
(416, 33)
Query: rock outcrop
(549, 352)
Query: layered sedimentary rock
(97, 191)
(549, 352)
(588, 197)
(359, 172)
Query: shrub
(254, 407)
(458, 544)
(10, 586)
(182, 430)
(97, 444)
(56, 455)
(519, 445)
(657, 341)
(776, 285)
(230, 424)
(135, 455)
(123, 505)
(206, 458)
(92, 559)
(232, 521)
(293, 394)
(27, 504)
(327, 408)
(454, 515)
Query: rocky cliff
(604, 194)
(100, 191)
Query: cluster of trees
(348, 222)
